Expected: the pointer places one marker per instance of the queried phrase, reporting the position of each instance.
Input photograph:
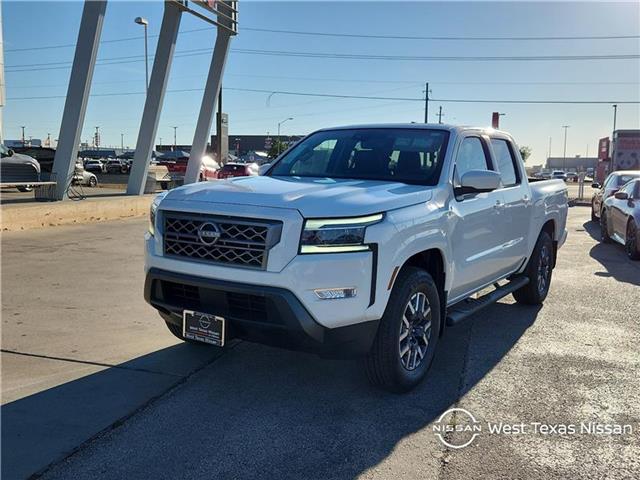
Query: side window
(471, 156)
(609, 181)
(506, 164)
(315, 161)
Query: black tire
(25, 188)
(593, 213)
(631, 246)
(539, 271)
(604, 227)
(93, 181)
(384, 364)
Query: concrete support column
(75, 105)
(208, 107)
(155, 98)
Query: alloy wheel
(415, 331)
(631, 243)
(544, 268)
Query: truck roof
(420, 126)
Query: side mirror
(595, 185)
(263, 168)
(621, 195)
(478, 181)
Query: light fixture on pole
(280, 123)
(145, 23)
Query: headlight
(152, 212)
(333, 235)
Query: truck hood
(312, 197)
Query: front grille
(187, 296)
(235, 305)
(242, 305)
(218, 239)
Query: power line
(360, 97)
(447, 38)
(343, 56)
(358, 35)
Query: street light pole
(564, 155)
(175, 136)
(144, 22)
(615, 114)
(122, 141)
(280, 123)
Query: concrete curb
(68, 212)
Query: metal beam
(75, 105)
(155, 98)
(208, 107)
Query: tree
(525, 152)
(273, 151)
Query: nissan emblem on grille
(220, 239)
(208, 233)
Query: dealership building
(571, 164)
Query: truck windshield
(388, 154)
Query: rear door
(477, 233)
(516, 216)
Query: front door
(477, 233)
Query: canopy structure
(222, 13)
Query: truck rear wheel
(539, 270)
(408, 333)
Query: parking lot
(95, 386)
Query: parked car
(18, 169)
(610, 186)
(559, 174)
(96, 166)
(620, 219)
(116, 165)
(44, 155)
(82, 177)
(572, 177)
(231, 170)
(364, 241)
(177, 166)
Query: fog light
(335, 293)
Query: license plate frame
(203, 327)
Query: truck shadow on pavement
(259, 412)
(612, 257)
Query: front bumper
(257, 313)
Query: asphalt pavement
(94, 387)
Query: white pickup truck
(364, 240)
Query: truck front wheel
(405, 344)
(538, 271)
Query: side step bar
(465, 308)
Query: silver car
(82, 177)
(620, 219)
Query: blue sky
(56, 23)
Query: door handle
(498, 206)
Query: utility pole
(440, 114)
(564, 155)
(549, 154)
(23, 127)
(175, 137)
(48, 139)
(426, 103)
(122, 141)
(615, 114)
